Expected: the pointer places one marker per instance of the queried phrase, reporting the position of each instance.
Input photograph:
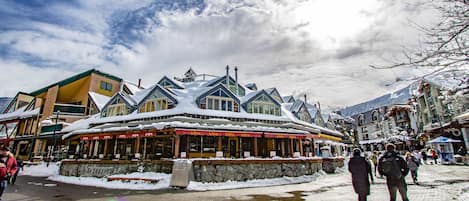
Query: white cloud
(319, 47)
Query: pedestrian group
(390, 165)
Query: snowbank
(133, 185)
(198, 186)
(41, 170)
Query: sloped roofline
(171, 81)
(218, 86)
(75, 78)
(162, 90)
(118, 94)
(257, 95)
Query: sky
(319, 47)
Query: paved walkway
(436, 183)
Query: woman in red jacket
(10, 162)
(3, 176)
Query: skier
(360, 169)
(394, 167)
(413, 164)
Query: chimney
(227, 76)
(319, 106)
(236, 78)
(305, 98)
(139, 85)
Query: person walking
(434, 156)
(424, 156)
(20, 167)
(361, 172)
(10, 162)
(413, 164)
(374, 160)
(3, 178)
(395, 168)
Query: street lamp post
(54, 137)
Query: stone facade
(208, 170)
(105, 168)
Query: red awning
(284, 135)
(218, 133)
(118, 135)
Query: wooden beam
(291, 148)
(256, 151)
(300, 142)
(177, 142)
(105, 147)
(220, 144)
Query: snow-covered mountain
(400, 96)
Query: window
(106, 86)
(263, 105)
(360, 120)
(154, 105)
(117, 110)
(375, 116)
(219, 100)
(304, 116)
(364, 129)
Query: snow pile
(41, 170)
(198, 186)
(163, 181)
(464, 194)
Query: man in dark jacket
(394, 167)
(360, 169)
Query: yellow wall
(95, 85)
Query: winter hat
(356, 152)
(390, 147)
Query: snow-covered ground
(52, 173)
(163, 181)
(41, 170)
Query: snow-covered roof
(187, 104)
(98, 99)
(450, 79)
(132, 86)
(20, 113)
(288, 99)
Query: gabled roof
(151, 90)
(251, 86)
(273, 91)
(98, 99)
(288, 99)
(175, 83)
(252, 96)
(222, 80)
(13, 101)
(213, 89)
(131, 88)
(296, 106)
(75, 78)
(127, 100)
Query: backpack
(390, 167)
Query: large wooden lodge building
(189, 117)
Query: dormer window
(361, 120)
(117, 110)
(263, 105)
(219, 98)
(154, 105)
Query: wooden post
(282, 147)
(300, 146)
(105, 147)
(144, 148)
(220, 145)
(177, 141)
(256, 151)
(137, 146)
(90, 150)
(291, 148)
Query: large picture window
(263, 105)
(117, 110)
(154, 105)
